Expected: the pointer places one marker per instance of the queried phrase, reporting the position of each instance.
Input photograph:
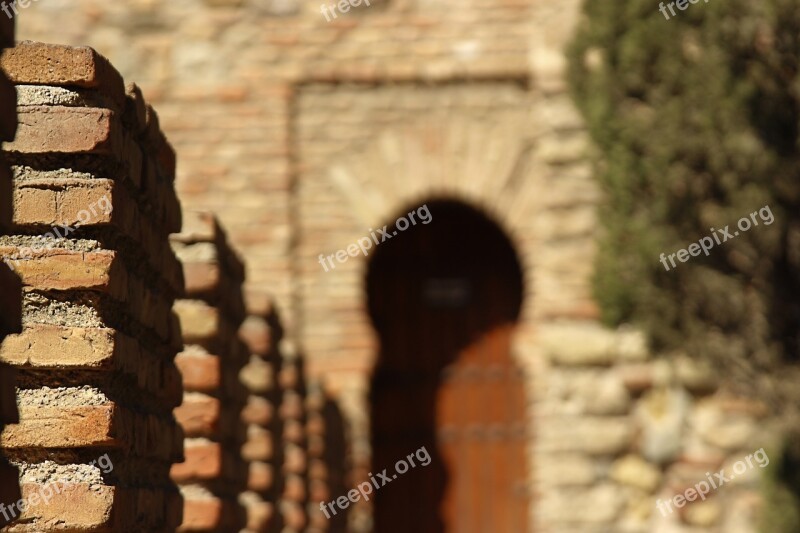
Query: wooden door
(444, 299)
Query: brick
(205, 326)
(61, 427)
(259, 446)
(258, 411)
(98, 426)
(100, 271)
(93, 204)
(46, 129)
(212, 514)
(135, 116)
(260, 515)
(60, 348)
(155, 142)
(199, 415)
(258, 376)
(34, 63)
(260, 476)
(257, 335)
(200, 371)
(208, 461)
(76, 506)
(60, 269)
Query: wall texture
(97, 381)
(304, 134)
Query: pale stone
(729, 431)
(595, 505)
(588, 343)
(559, 470)
(586, 391)
(703, 513)
(591, 435)
(634, 471)
(696, 375)
(661, 415)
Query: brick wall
(10, 287)
(94, 202)
(211, 312)
(303, 134)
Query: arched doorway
(444, 298)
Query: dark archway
(444, 298)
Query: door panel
(444, 299)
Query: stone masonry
(94, 203)
(210, 312)
(10, 287)
(302, 134)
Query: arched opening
(444, 298)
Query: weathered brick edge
(10, 286)
(212, 309)
(96, 369)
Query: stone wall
(10, 287)
(94, 202)
(303, 135)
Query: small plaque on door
(448, 293)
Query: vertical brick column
(211, 313)
(94, 203)
(262, 332)
(327, 463)
(292, 412)
(10, 287)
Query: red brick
(35, 63)
(199, 415)
(260, 445)
(43, 346)
(44, 129)
(204, 461)
(212, 514)
(76, 506)
(61, 427)
(258, 411)
(108, 426)
(201, 372)
(261, 476)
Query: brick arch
(483, 164)
(486, 163)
